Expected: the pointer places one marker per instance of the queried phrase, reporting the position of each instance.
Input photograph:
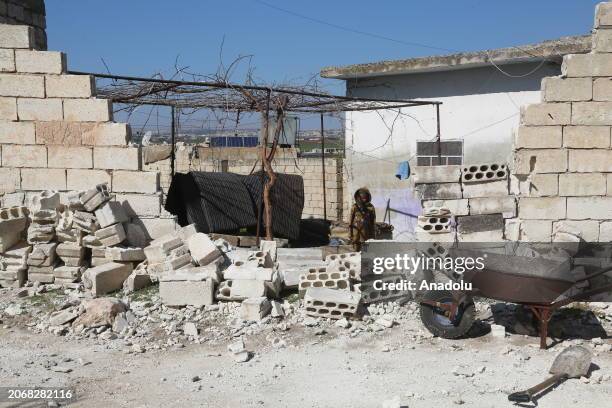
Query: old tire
(438, 324)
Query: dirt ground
(325, 370)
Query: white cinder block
(589, 208)
(117, 158)
(538, 137)
(587, 65)
(40, 62)
(437, 174)
(546, 114)
(146, 182)
(144, 205)
(107, 134)
(486, 189)
(25, 86)
(493, 205)
(82, 180)
(586, 161)
(202, 249)
(456, 207)
(111, 213)
(69, 86)
(24, 156)
(586, 137)
(10, 181)
(535, 230)
(592, 113)
(7, 60)
(603, 14)
(558, 89)
(540, 161)
(542, 208)
(17, 132)
(43, 179)
(39, 109)
(88, 110)
(582, 184)
(588, 228)
(16, 36)
(70, 157)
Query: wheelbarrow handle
(594, 274)
(525, 396)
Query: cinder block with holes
(331, 280)
(484, 172)
(434, 225)
(354, 270)
(330, 303)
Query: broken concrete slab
(46, 200)
(136, 281)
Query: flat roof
(552, 50)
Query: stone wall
(26, 12)
(563, 155)
(56, 135)
(560, 181)
(242, 160)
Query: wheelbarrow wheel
(437, 321)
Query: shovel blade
(574, 362)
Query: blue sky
(139, 37)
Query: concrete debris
(255, 309)
(190, 329)
(238, 351)
(138, 279)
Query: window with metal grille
(451, 152)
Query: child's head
(363, 196)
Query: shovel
(573, 362)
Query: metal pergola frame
(227, 96)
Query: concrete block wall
(56, 135)
(26, 12)
(474, 198)
(242, 161)
(563, 149)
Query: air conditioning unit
(288, 135)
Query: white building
(481, 95)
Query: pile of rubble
(58, 240)
(84, 244)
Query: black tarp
(226, 202)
